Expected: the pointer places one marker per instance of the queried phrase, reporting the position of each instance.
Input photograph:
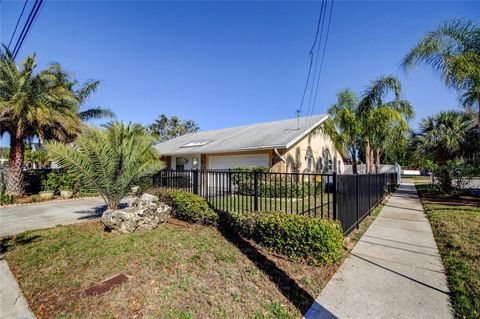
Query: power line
(311, 53)
(27, 26)
(18, 21)
(316, 60)
(323, 57)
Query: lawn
(456, 227)
(318, 206)
(177, 271)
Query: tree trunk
(15, 185)
(368, 158)
(377, 161)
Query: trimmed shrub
(192, 208)
(51, 183)
(187, 206)
(296, 236)
(275, 187)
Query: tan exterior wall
(315, 153)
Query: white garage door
(225, 162)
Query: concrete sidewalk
(394, 271)
(12, 303)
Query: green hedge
(282, 187)
(186, 206)
(295, 236)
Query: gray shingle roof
(278, 134)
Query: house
(296, 145)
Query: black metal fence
(348, 198)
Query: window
(180, 164)
(339, 167)
(195, 143)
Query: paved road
(394, 271)
(14, 220)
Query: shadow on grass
(300, 298)
(22, 239)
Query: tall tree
(164, 128)
(32, 105)
(344, 126)
(441, 139)
(453, 50)
(43, 105)
(377, 116)
(109, 160)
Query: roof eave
(306, 132)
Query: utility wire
(310, 54)
(323, 57)
(27, 27)
(16, 26)
(319, 46)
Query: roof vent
(196, 143)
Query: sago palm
(32, 105)
(110, 160)
(453, 50)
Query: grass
(319, 206)
(177, 271)
(456, 227)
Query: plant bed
(455, 224)
(177, 271)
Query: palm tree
(453, 50)
(377, 116)
(442, 138)
(344, 126)
(45, 105)
(109, 160)
(32, 105)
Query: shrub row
(187, 206)
(277, 188)
(296, 236)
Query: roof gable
(277, 134)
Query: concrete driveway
(14, 220)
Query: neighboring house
(296, 145)
(37, 147)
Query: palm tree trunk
(15, 185)
(368, 158)
(377, 161)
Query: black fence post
(195, 182)
(255, 191)
(229, 181)
(369, 195)
(334, 177)
(358, 199)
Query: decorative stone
(146, 212)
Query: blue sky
(231, 63)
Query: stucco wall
(318, 146)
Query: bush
(275, 188)
(68, 182)
(51, 182)
(190, 207)
(295, 236)
(5, 199)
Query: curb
(49, 201)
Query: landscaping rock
(146, 212)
